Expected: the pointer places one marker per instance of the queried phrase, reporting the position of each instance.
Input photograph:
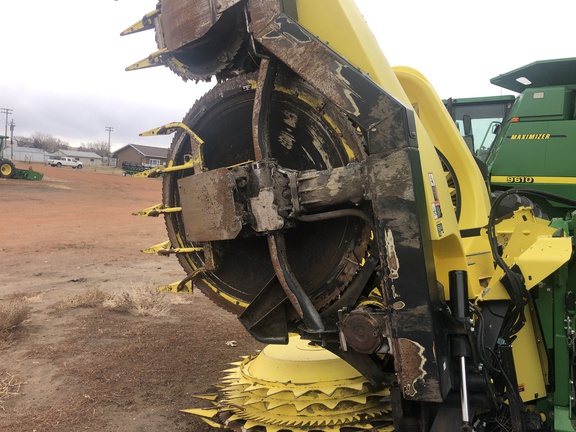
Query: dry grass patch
(9, 386)
(38, 298)
(92, 298)
(11, 316)
(137, 300)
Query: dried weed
(137, 300)
(92, 298)
(38, 298)
(12, 315)
(9, 386)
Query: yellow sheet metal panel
(527, 241)
(473, 195)
(543, 257)
(340, 24)
(530, 371)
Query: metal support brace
(157, 210)
(196, 144)
(167, 249)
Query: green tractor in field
(8, 170)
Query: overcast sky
(62, 61)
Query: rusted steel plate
(222, 5)
(208, 206)
(184, 21)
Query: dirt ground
(97, 369)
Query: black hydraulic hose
(517, 292)
(190, 278)
(293, 289)
(336, 214)
(480, 340)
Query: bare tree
(48, 142)
(98, 147)
(24, 141)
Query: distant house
(141, 154)
(87, 158)
(25, 154)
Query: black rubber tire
(58, 165)
(331, 248)
(7, 169)
(513, 202)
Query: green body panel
(28, 174)
(535, 144)
(545, 103)
(543, 73)
(562, 422)
(535, 148)
(538, 135)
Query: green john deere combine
(526, 141)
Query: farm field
(83, 360)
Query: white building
(24, 154)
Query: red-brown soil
(96, 369)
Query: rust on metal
(208, 207)
(204, 38)
(412, 368)
(274, 256)
(265, 211)
(186, 21)
(263, 75)
(222, 5)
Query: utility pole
(6, 111)
(12, 126)
(109, 129)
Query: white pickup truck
(65, 161)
